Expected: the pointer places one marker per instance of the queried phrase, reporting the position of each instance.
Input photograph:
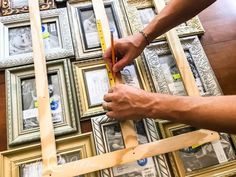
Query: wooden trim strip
(45, 120)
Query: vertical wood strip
(179, 56)
(44, 112)
(127, 127)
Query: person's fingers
(111, 115)
(108, 97)
(107, 54)
(121, 64)
(107, 106)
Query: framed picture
(84, 26)
(22, 104)
(27, 161)
(217, 158)
(92, 83)
(16, 46)
(140, 13)
(166, 76)
(10, 7)
(108, 138)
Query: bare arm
(175, 13)
(215, 113)
(178, 11)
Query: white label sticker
(53, 27)
(220, 153)
(150, 172)
(30, 113)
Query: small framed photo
(165, 73)
(23, 124)
(108, 138)
(18, 163)
(17, 44)
(84, 26)
(218, 157)
(10, 7)
(140, 13)
(92, 83)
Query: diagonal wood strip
(131, 154)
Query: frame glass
(165, 73)
(108, 138)
(23, 125)
(215, 158)
(10, 7)
(27, 161)
(84, 28)
(17, 44)
(92, 83)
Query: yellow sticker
(195, 146)
(46, 35)
(36, 104)
(176, 76)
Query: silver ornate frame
(14, 102)
(80, 51)
(151, 131)
(193, 45)
(56, 15)
(193, 26)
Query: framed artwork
(10, 7)
(27, 161)
(22, 104)
(140, 13)
(92, 83)
(16, 46)
(108, 138)
(84, 27)
(217, 158)
(165, 73)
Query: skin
(124, 102)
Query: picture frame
(22, 112)
(212, 159)
(135, 9)
(165, 74)
(16, 49)
(21, 162)
(108, 137)
(92, 82)
(11, 7)
(84, 29)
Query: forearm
(215, 113)
(175, 13)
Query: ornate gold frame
(7, 10)
(224, 169)
(11, 160)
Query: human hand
(125, 102)
(127, 49)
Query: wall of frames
(78, 80)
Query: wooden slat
(127, 127)
(45, 120)
(180, 57)
(131, 154)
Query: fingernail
(114, 69)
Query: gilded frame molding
(224, 169)
(12, 160)
(59, 16)
(17, 135)
(98, 122)
(86, 109)
(8, 10)
(77, 32)
(192, 44)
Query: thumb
(107, 54)
(121, 64)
